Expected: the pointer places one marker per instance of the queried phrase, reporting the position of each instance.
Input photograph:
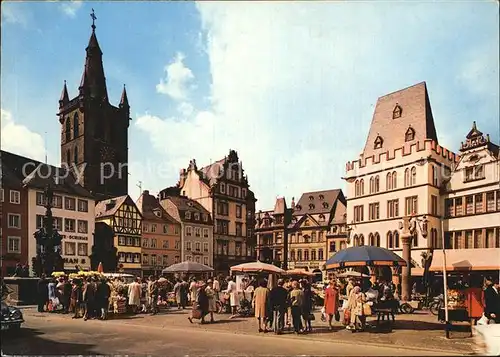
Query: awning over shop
(467, 259)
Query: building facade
(94, 133)
(123, 216)
(271, 231)
(404, 172)
(400, 173)
(472, 197)
(223, 189)
(161, 236)
(196, 232)
(311, 221)
(14, 213)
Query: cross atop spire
(92, 15)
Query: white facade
(473, 196)
(75, 222)
(410, 178)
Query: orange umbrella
(100, 268)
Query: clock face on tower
(107, 154)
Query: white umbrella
(352, 274)
(187, 267)
(257, 267)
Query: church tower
(94, 133)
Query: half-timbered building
(123, 216)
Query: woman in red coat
(331, 302)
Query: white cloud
(185, 109)
(12, 13)
(71, 7)
(178, 81)
(294, 86)
(19, 139)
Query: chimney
(145, 192)
(293, 203)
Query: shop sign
(74, 261)
(74, 237)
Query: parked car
(12, 317)
(487, 340)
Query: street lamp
(408, 230)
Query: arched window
(361, 240)
(68, 157)
(388, 181)
(68, 129)
(377, 183)
(313, 254)
(407, 178)
(355, 240)
(414, 242)
(434, 176)
(396, 239)
(371, 241)
(377, 240)
(372, 185)
(320, 254)
(356, 188)
(394, 180)
(390, 242)
(396, 113)
(299, 255)
(75, 155)
(361, 187)
(292, 255)
(413, 176)
(76, 126)
(379, 142)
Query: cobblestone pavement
(412, 332)
(172, 335)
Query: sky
(291, 86)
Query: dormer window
(396, 113)
(158, 214)
(325, 205)
(321, 197)
(321, 218)
(311, 206)
(378, 142)
(311, 198)
(188, 215)
(197, 216)
(298, 207)
(410, 134)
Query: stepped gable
(397, 113)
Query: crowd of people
(287, 305)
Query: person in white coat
(232, 290)
(134, 295)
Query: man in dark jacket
(43, 293)
(492, 300)
(279, 302)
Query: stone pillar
(373, 274)
(406, 271)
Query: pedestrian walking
(233, 296)
(43, 293)
(260, 305)
(307, 306)
(134, 295)
(278, 299)
(212, 302)
(332, 303)
(296, 299)
(200, 306)
(492, 300)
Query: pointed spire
(64, 96)
(474, 127)
(93, 80)
(124, 100)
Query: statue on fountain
(48, 242)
